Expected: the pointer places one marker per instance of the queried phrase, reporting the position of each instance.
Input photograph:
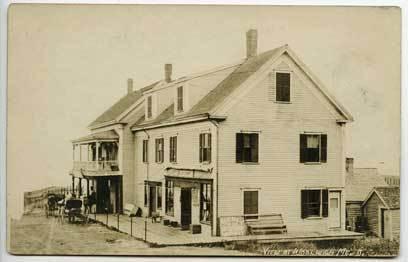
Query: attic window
(149, 106)
(180, 99)
(282, 87)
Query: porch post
(97, 155)
(80, 187)
(73, 152)
(73, 184)
(87, 187)
(80, 152)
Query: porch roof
(109, 135)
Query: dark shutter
(209, 148)
(175, 149)
(239, 147)
(323, 157)
(201, 147)
(325, 204)
(303, 203)
(254, 148)
(303, 148)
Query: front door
(185, 200)
(102, 195)
(334, 209)
(152, 199)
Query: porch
(159, 234)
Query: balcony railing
(111, 165)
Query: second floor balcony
(97, 152)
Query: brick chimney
(130, 85)
(350, 165)
(168, 68)
(252, 42)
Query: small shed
(382, 209)
(359, 182)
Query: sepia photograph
(203, 130)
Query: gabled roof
(112, 113)
(360, 183)
(389, 195)
(232, 81)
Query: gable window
(247, 148)
(314, 203)
(180, 99)
(145, 151)
(251, 204)
(169, 197)
(313, 148)
(205, 147)
(149, 106)
(159, 150)
(173, 149)
(205, 203)
(282, 87)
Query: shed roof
(390, 195)
(360, 183)
(104, 135)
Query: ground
(37, 235)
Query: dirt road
(36, 235)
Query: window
(283, 87)
(247, 148)
(145, 151)
(205, 203)
(205, 147)
(313, 148)
(179, 99)
(169, 198)
(314, 203)
(146, 189)
(159, 150)
(173, 149)
(149, 106)
(159, 196)
(250, 204)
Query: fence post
(145, 235)
(106, 209)
(131, 226)
(118, 221)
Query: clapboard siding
(187, 156)
(279, 176)
(371, 211)
(395, 216)
(353, 210)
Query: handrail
(106, 165)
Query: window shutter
(303, 200)
(323, 157)
(175, 149)
(254, 147)
(209, 148)
(239, 147)
(201, 148)
(303, 148)
(325, 205)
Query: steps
(268, 224)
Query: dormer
(181, 98)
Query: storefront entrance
(108, 194)
(185, 199)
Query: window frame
(323, 203)
(180, 99)
(304, 150)
(173, 149)
(208, 194)
(251, 216)
(145, 150)
(240, 156)
(276, 86)
(149, 107)
(159, 146)
(205, 148)
(169, 197)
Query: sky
(69, 63)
